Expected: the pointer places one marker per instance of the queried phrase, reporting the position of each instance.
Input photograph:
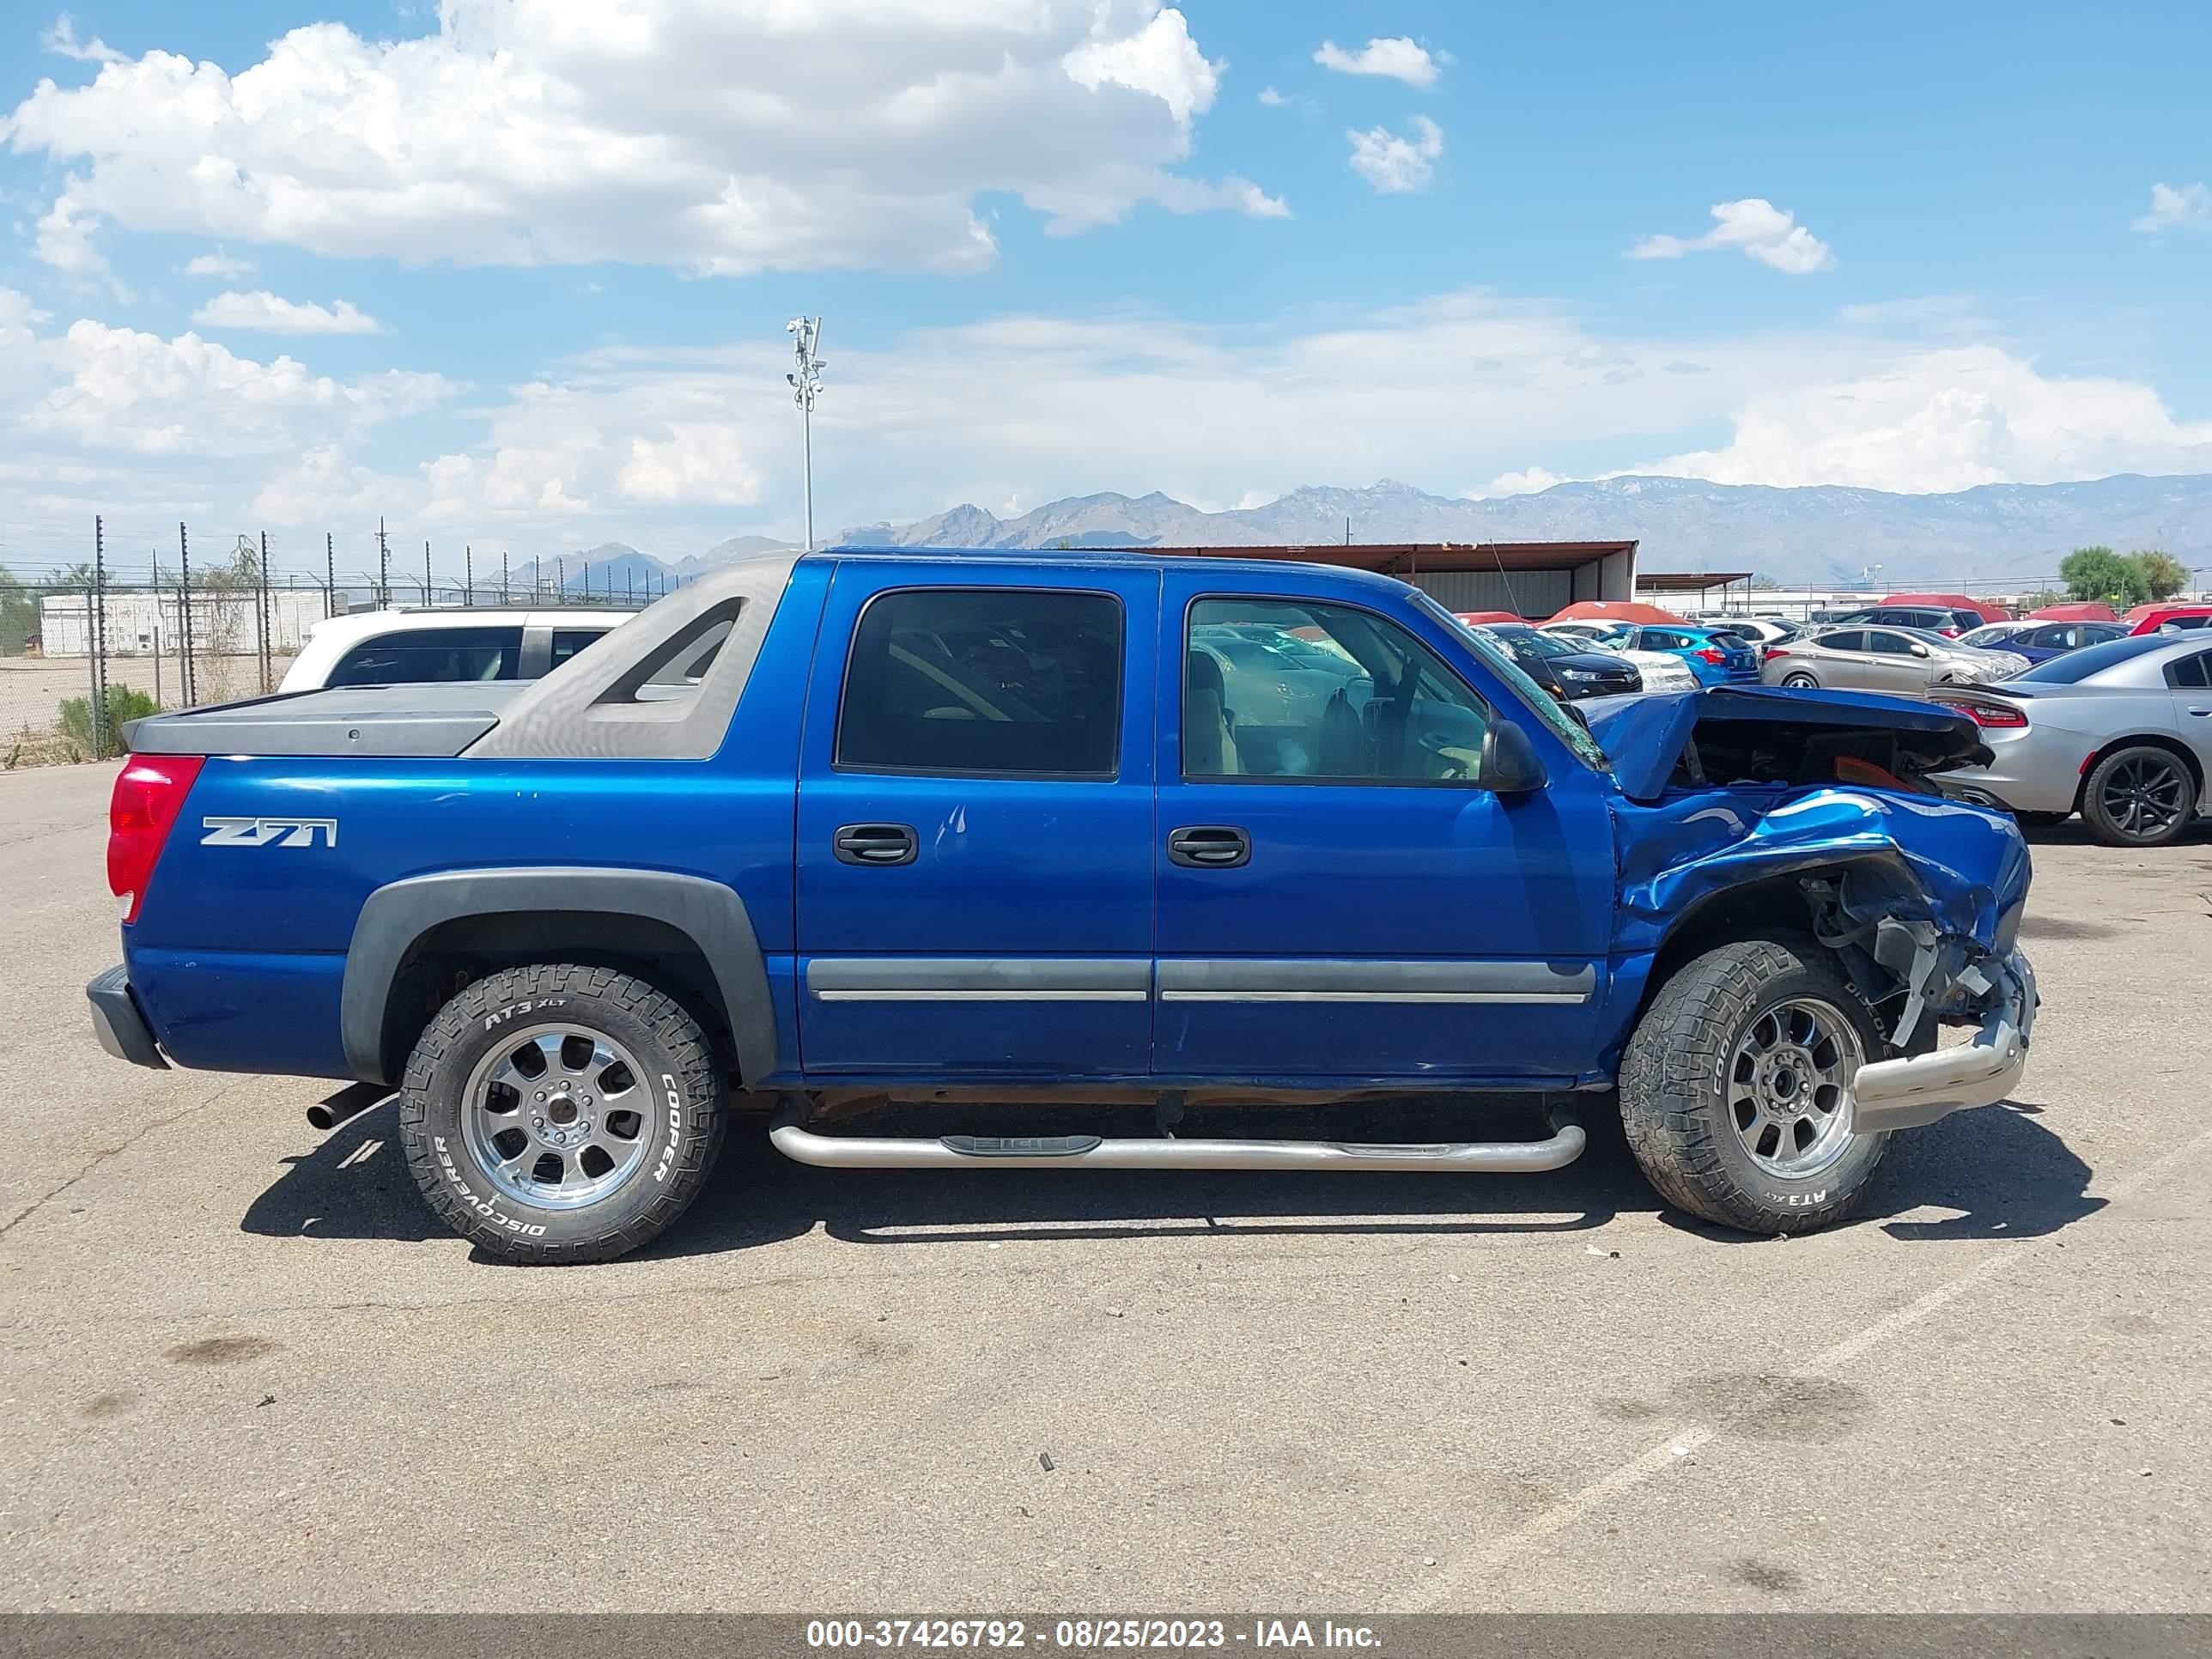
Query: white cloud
(1394, 165)
(220, 265)
(2186, 207)
(1272, 99)
(122, 389)
(1949, 419)
(1759, 230)
(656, 446)
(1400, 58)
(724, 138)
(271, 314)
(1526, 482)
(59, 37)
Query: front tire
(1735, 1088)
(2139, 796)
(557, 1113)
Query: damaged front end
(1812, 812)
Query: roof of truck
(1118, 558)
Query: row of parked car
(2110, 718)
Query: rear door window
(414, 656)
(1848, 639)
(567, 641)
(2190, 673)
(998, 682)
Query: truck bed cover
(433, 721)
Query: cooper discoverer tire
(1734, 1087)
(556, 1113)
(2139, 796)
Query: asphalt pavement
(243, 1370)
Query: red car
(2149, 618)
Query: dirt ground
(32, 688)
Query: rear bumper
(1905, 1094)
(116, 1022)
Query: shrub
(124, 703)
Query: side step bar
(1095, 1152)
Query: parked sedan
(2120, 732)
(1946, 620)
(1904, 662)
(1715, 655)
(2040, 641)
(1558, 666)
(1660, 670)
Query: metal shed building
(1530, 579)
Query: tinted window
(1847, 639)
(1889, 645)
(2190, 673)
(413, 655)
(1390, 712)
(2077, 665)
(995, 682)
(1666, 639)
(1965, 619)
(567, 641)
(2185, 622)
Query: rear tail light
(1774, 651)
(149, 792)
(1948, 633)
(1709, 654)
(1988, 711)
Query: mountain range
(1818, 536)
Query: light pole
(805, 383)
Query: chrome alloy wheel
(557, 1116)
(1790, 1087)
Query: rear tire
(1734, 1089)
(1801, 683)
(2139, 796)
(560, 1114)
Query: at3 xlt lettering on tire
(558, 1113)
(1734, 1089)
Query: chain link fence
(89, 646)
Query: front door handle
(1209, 847)
(876, 843)
(2194, 709)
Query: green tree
(2097, 573)
(2163, 575)
(19, 617)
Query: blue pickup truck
(913, 826)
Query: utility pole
(468, 574)
(426, 573)
(502, 575)
(560, 581)
(805, 382)
(330, 576)
(383, 568)
(95, 635)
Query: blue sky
(1065, 246)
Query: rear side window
(1849, 639)
(1666, 639)
(1005, 681)
(2190, 673)
(411, 656)
(567, 641)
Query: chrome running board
(1564, 1146)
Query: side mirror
(1920, 651)
(1510, 764)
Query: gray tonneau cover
(433, 721)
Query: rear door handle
(2194, 709)
(876, 843)
(1209, 847)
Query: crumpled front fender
(1913, 858)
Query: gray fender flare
(709, 914)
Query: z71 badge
(268, 832)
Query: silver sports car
(1905, 661)
(2120, 732)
